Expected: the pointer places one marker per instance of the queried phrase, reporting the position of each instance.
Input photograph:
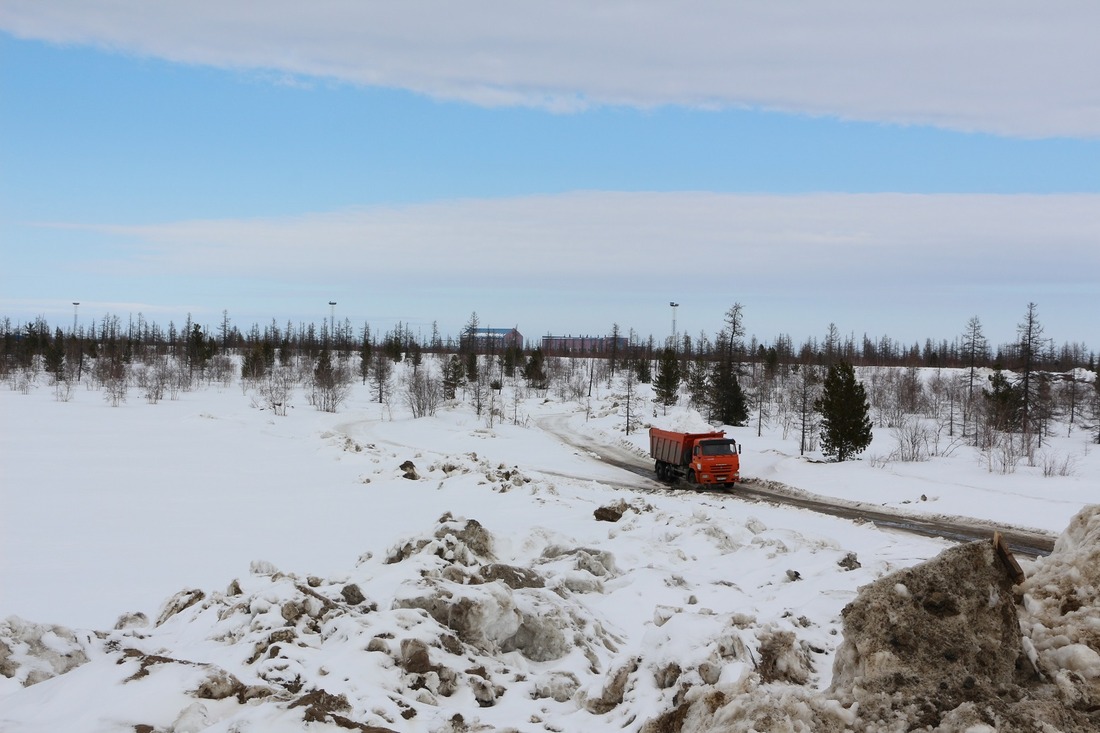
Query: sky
(555, 167)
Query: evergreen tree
(469, 345)
(200, 349)
(727, 400)
(512, 355)
(391, 347)
(697, 372)
(1043, 410)
(1004, 403)
(381, 369)
(845, 425)
(254, 365)
(453, 375)
(667, 385)
(55, 356)
(535, 370)
(472, 372)
(771, 362)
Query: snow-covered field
(261, 559)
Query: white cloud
(1011, 67)
(633, 232)
(915, 265)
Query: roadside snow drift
(442, 633)
(946, 645)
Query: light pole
(75, 306)
(674, 305)
(332, 321)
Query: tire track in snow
(1021, 540)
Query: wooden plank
(1000, 547)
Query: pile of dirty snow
(948, 645)
(440, 634)
(470, 625)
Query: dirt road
(1021, 541)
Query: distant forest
(968, 348)
(1003, 400)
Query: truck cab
(716, 461)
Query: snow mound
(927, 639)
(31, 653)
(1061, 609)
(453, 630)
(948, 645)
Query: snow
(234, 537)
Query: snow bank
(947, 645)
(464, 627)
(447, 632)
(1061, 609)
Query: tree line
(1019, 390)
(969, 348)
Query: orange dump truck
(706, 459)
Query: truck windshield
(717, 447)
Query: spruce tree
(55, 356)
(535, 370)
(453, 375)
(1004, 402)
(512, 356)
(667, 385)
(381, 370)
(697, 373)
(727, 400)
(845, 425)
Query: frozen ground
(280, 569)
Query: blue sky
(889, 173)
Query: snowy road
(959, 529)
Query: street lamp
(332, 320)
(674, 305)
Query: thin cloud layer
(937, 259)
(630, 233)
(1011, 68)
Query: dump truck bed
(675, 448)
